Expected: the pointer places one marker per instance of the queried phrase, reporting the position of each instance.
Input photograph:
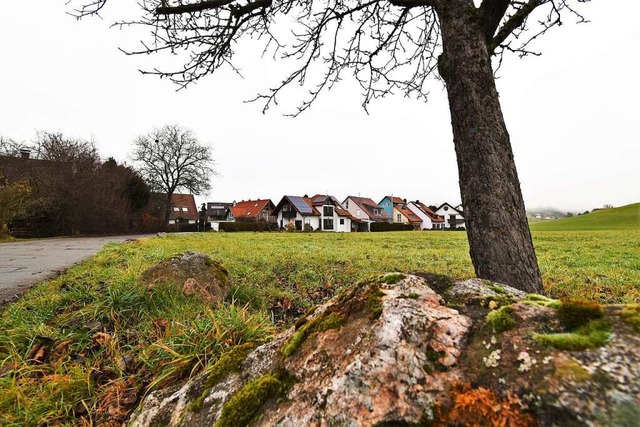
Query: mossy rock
(193, 274)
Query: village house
(254, 211)
(297, 211)
(366, 211)
(320, 212)
(399, 212)
(218, 212)
(430, 220)
(183, 207)
(334, 217)
(453, 218)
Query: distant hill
(622, 218)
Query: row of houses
(324, 213)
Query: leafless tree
(10, 147)
(171, 158)
(388, 46)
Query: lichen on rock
(394, 352)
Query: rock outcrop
(193, 273)
(396, 352)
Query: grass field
(55, 369)
(622, 218)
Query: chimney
(25, 153)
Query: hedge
(386, 226)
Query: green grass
(622, 218)
(157, 338)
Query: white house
(366, 211)
(430, 220)
(318, 212)
(453, 218)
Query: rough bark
(499, 238)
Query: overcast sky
(572, 113)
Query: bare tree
(388, 45)
(171, 158)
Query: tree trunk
(499, 238)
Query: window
(176, 209)
(346, 203)
(376, 212)
(185, 209)
(341, 221)
(327, 224)
(327, 210)
(399, 217)
(446, 208)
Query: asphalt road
(23, 264)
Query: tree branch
(412, 3)
(491, 13)
(513, 23)
(192, 7)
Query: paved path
(23, 264)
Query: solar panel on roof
(300, 204)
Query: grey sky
(572, 113)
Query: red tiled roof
(427, 211)
(368, 206)
(409, 214)
(249, 209)
(396, 200)
(182, 201)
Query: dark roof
(448, 204)
(321, 199)
(302, 205)
(218, 210)
(250, 209)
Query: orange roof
(249, 209)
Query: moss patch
(576, 313)
(244, 405)
(501, 319)
(542, 301)
(631, 316)
(373, 301)
(498, 289)
(593, 334)
(319, 324)
(572, 369)
(392, 278)
(226, 364)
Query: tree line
(58, 186)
